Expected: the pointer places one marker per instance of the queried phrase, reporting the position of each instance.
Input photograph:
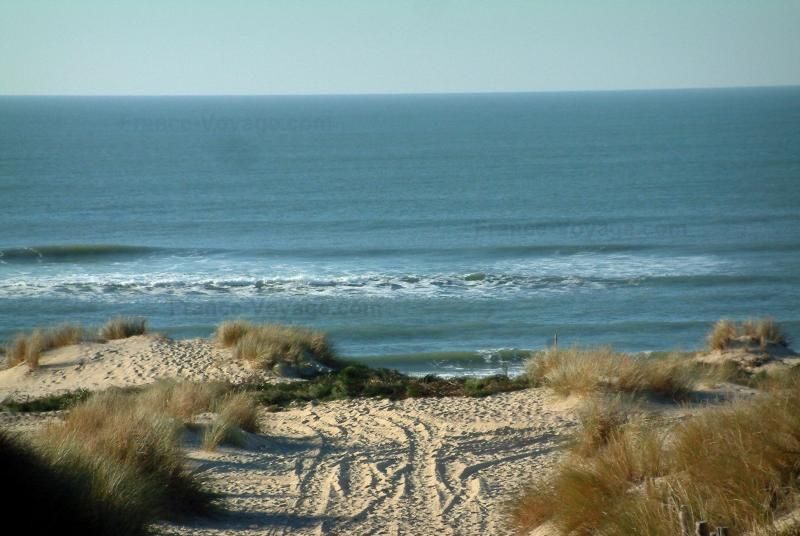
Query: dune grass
(600, 418)
(134, 451)
(236, 413)
(734, 466)
(761, 332)
(284, 349)
(352, 381)
(239, 408)
(268, 345)
(122, 327)
(721, 335)
(69, 489)
(28, 347)
(589, 371)
(127, 443)
(229, 332)
(182, 400)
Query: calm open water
(430, 231)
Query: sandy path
(425, 466)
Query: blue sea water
(429, 232)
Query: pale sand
(422, 466)
(123, 363)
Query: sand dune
(121, 363)
(418, 466)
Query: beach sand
(366, 466)
(418, 466)
(127, 362)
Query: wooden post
(683, 520)
(701, 529)
(722, 531)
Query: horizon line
(409, 93)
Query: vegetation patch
(48, 403)
(734, 466)
(120, 452)
(133, 450)
(762, 332)
(355, 380)
(28, 347)
(286, 350)
(70, 490)
(229, 332)
(236, 413)
(122, 327)
(589, 371)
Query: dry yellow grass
(132, 450)
(83, 494)
(734, 466)
(267, 345)
(601, 418)
(588, 491)
(586, 371)
(182, 400)
(29, 347)
(721, 335)
(236, 412)
(229, 332)
(122, 327)
(762, 332)
(241, 409)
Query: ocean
(431, 233)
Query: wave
(183, 285)
(69, 252)
(91, 252)
(473, 285)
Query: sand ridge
(128, 362)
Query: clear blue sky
(398, 46)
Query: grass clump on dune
(28, 347)
(762, 332)
(52, 493)
(182, 400)
(721, 335)
(734, 466)
(229, 332)
(600, 419)
(236, 413)
(134, 451)
(122, 327)
(589, 494)
(586, 371)
(269, 345)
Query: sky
(205, 47)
